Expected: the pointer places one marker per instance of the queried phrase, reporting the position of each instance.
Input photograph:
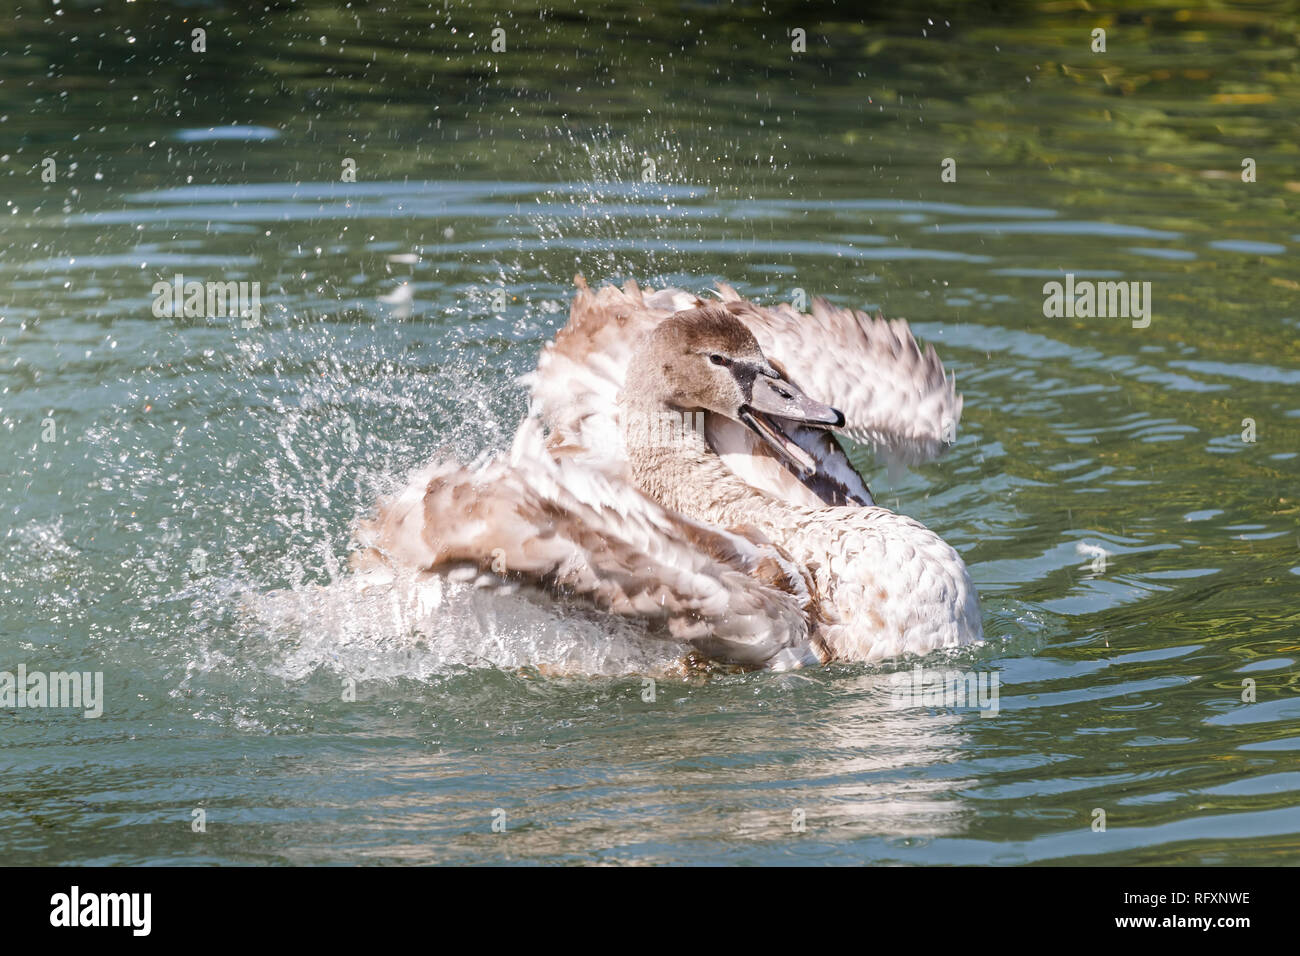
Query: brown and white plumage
(579, 375)
(896, 397)
(752, 539)
(569, 529)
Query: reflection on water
(184, 527)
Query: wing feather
(574, 532)
(575, 388)
(895, 396)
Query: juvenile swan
(673, 470)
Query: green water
(196, 466)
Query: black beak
(775, 399)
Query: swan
(675, 468)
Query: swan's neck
(670, 460)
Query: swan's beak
(774, 405)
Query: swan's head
(706, 359)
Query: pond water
(1126, 497)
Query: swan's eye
(717, 359)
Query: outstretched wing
(575, 388)
(568, 529)
(895, 397)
